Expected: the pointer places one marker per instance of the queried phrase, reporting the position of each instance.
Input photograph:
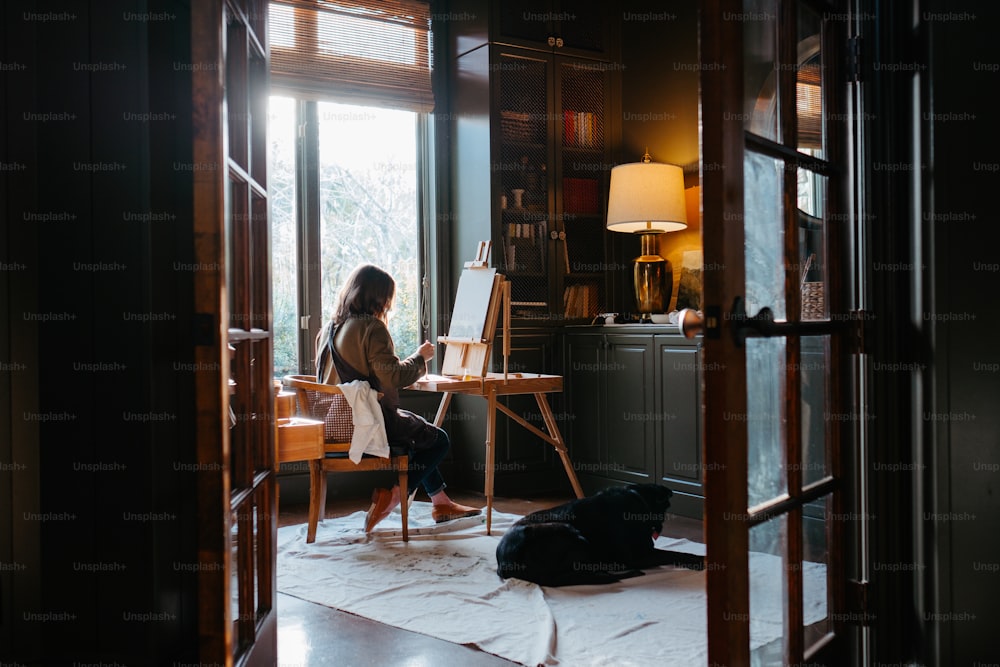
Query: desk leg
(491, 433)
(317, 497)
(550, 424)
(442, 409)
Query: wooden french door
(234, 388)
(780, 330)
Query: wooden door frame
(724, 144)
(231, 238)
(727, 557)
(215, 635)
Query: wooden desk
(490, 387)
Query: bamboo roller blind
(809, 103)
(362, 52)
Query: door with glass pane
(233, 389)
(779, 330)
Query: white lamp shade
(647, 196)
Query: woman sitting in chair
(355, 345)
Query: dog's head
(657, 499)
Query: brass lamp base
(653, 277)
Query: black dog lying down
(597, 540)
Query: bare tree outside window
(368, 213)
(368, 205)
(281, 195)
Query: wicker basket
(813, 306)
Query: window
(284, 267)
(359, 164)
(353, 83)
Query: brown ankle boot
(381, 506)
(452, 511)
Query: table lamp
(647, 198)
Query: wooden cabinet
(569, 27)
(573, 28)
(608, 383)
(677, 378)
(634, 409)
(532, 130)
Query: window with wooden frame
(351, 87)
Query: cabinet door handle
(559, 42)
(552, 40)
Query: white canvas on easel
(482, 293)
(472, 304)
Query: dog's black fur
(597, 540)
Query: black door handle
(761, 325)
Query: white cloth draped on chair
(369, 435)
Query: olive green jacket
(365, 344)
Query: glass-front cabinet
(551, 182)
(540, 191)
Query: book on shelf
(518, 126)
(523, 230)
(525, 246)
(580, 301)
(579, 129)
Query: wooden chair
(326, 402)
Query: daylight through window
(364, 178)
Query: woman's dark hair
(368, 291)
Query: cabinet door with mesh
(522, 170)
(582, 164)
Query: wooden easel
(464, 370)
(468, 356)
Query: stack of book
(525, 247)
(517, 126)
(580, 301)
(580, 129)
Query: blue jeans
(424, 462)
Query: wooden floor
(311, 634)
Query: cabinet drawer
(299, 439)
(284, 405)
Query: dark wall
(660, 83)
(98, 514)
(934, 428)
(893, 344)
(659, 107)
(960, 416)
